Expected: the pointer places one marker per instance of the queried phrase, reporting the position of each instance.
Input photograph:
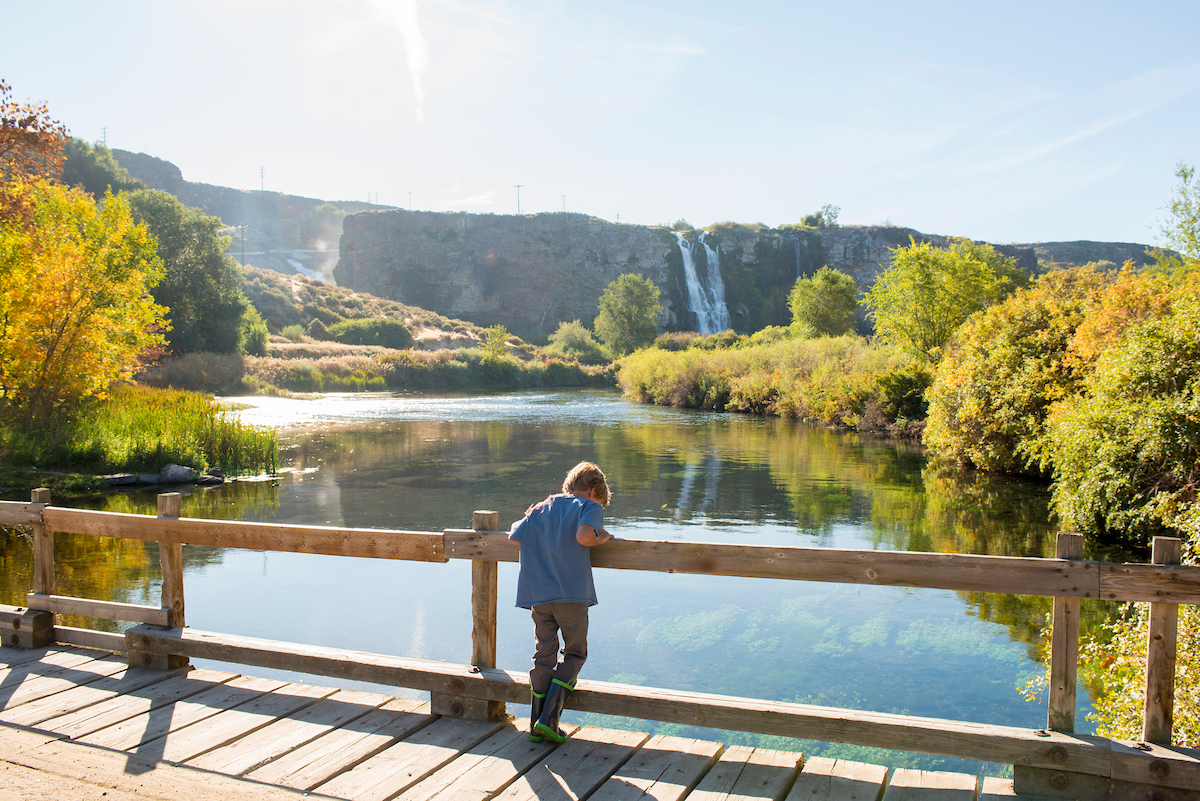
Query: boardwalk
(80, 724)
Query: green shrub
(255, 336)
(372, 331)
(304, 377)
(317, 330)
(292, 332)
(573, 340)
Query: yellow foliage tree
(75, 310)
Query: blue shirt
(554, 566)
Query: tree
(202, 287)
(1126, 447)
(825, 217)
(1182, 228)
(77, 312)
(927, 292)
(95, 169)
(1004, 368)
(496, 344)
(628, 317)
(823, 306)
(31, 143)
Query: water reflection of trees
(103, 568)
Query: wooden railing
(1051, 761)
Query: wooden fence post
(170, 559)
(1064, 646)
(1160, 654)
(26, 628)
(484, 603)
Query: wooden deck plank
(826, 779)
(118, 684)
(403, 764)
(151, 725)
(749, 774)
(260, 747)
(341, 749)
(485, 769)
(664, 769)
(1002, 790)
(108, 713)
(930, 785)
(10, 657)
(116, 774)
(180, 745)
(36, 686)
(577, 767)
(19, 783)
(54, 660)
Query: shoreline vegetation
(136, 429)
(842, 382)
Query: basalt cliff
(531, 272)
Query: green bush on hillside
(573, 340)
(372, 331)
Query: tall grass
(844, 382)
(140, 429)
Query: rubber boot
(535, 711)
(547, 722)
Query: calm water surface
(424, 463)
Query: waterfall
(706, 297)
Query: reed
(140, 429)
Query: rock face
(531, 272)
(1083, 252)
(528, 273)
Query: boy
(555, 584)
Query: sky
(1007, 122)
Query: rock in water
(176, 474)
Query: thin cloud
(403, 15)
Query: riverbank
(136, 430)
(334, 367)
(842, 382)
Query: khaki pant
(548, 619)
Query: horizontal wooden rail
(110, 610)
(1023, 747)
(1063, 578)
(1060, 578)
(371, 543)
(15, 513)
(89, 638)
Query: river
(425, 462)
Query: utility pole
(618, 219)
(518, 188)
(410, 201)
(262, 179)
(564, 197)
(104, 136)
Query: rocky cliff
(527, 272)
(531, 272)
